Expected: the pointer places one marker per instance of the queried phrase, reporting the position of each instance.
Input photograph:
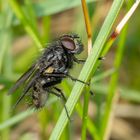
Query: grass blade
(14, 120)
(88, 69)
(113, 84)
(29, 27)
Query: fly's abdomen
(39, 95)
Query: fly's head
(71, 43)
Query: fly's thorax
(55, 59)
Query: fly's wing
(28, 86)
(22, 79)
(30, 76)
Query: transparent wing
(22, 79)
(27, 88)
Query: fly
(49, 70)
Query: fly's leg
(74, 79)
(78, 60)
(61, 95)
(81, 61)
(101, 58)
(63, 75)
(64, 99)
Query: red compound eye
(68, 43)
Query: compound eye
(68, 43)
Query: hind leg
(61, 95)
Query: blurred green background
(25, 28)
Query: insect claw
(91, 92)
(101, 58)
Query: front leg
(63, 75)
(79, 61)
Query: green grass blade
(90, 125)
(49, 7)
(5, 64)
(14, 120)
(88, 69)
(125, 93)
(113, 83)
(85, 114)
(4, 34)
(30, 13)
(29, 27)
(46, 8)
(103, 75)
